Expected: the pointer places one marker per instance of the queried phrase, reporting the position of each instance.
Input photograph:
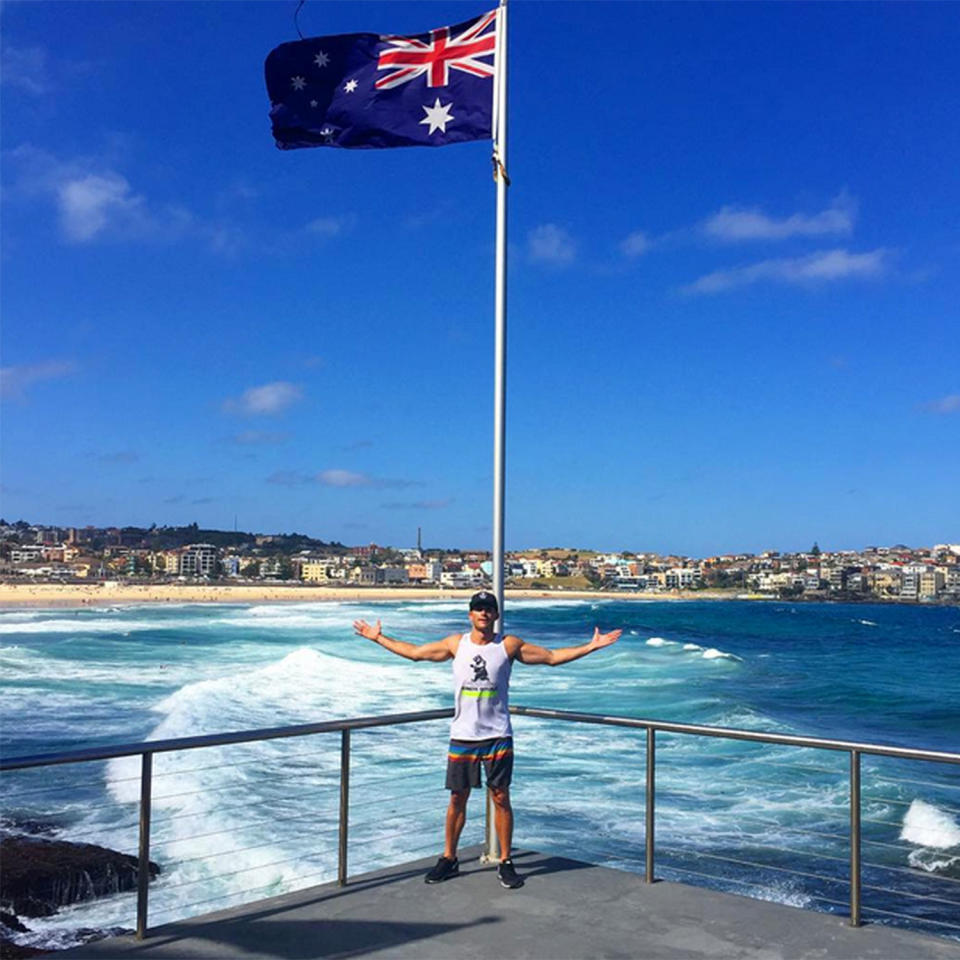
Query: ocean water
(239, 823)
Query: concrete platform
(567, 909)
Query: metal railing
(855, 750)
(146, 750)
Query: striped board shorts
(467, 756)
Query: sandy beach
(113, 592)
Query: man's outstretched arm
(530, 653)
(437, 652)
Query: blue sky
(734, 279)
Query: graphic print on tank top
(481, 674)
(479, 666)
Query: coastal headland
(113, 592)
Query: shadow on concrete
(239, 926)
(537, 864)
(291, 939)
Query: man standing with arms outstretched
(481, 733)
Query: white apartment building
(461, 578)
(531, 568)
(198, 560)
(910, 584)
(683, 578)
(26, 553)
(772, 582)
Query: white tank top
(481, 677)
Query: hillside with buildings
(37, 552)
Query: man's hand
(604, 639)
(363, 629)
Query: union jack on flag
(411, 57)
(373, 90)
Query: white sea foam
(660, 642)
(933, 863)
(230, 820)
(692, 646)
(440, 606)
(20, 615)
(272, 609)
(782, 892)
(928, 826)
(712, 653)
(867, 623)
(104, 625)
(743, 717)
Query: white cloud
(342, 478)
(550, 243)
(822, 266)
(15, 380)
(268, 399)
(635, 245)
(88, 204)
(347, 478)
(93, 201)
(330, 226)
(255, 437)
(26, 68)
(948, 404)
(736, 224)
(339, 478)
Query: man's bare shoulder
(512, 644)
(452, 641)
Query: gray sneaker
(444, 870)
(508, 877)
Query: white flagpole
(500, 352)
(500, 304)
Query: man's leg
(456, 818)
(503, 819)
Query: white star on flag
(438, 117)
(350, 86)
(298, 83)
(321, 59)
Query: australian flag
(373, 90)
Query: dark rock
(40, 876)
(43, 828)
(9, 923)
(13, 951)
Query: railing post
(651, 803)
(344, 805)
(854, 838)
(143, 867)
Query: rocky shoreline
(41, 875)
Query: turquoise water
(238, 823)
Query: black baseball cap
(484, 601)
